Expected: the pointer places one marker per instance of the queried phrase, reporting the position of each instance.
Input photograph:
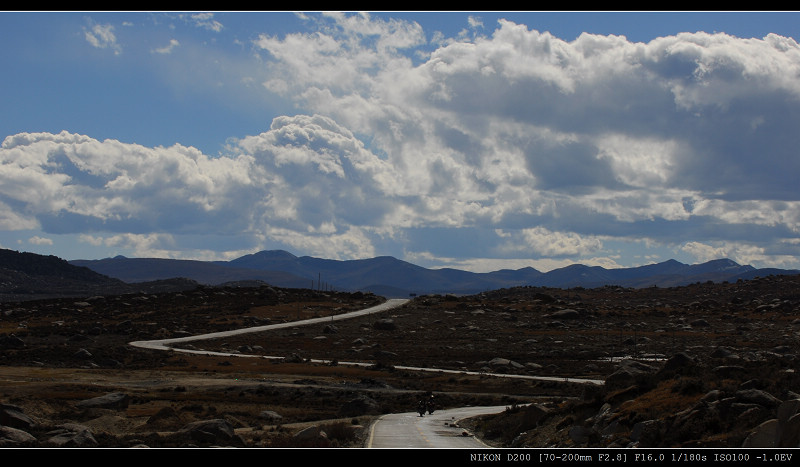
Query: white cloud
(540, 241)
(102, 36)
(167, 49)
(37, 240)
(205, 21)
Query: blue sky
(475, 140)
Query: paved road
(165, 344)
(437, 430)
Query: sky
(472, 140)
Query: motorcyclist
(421, 407)
(431, 404)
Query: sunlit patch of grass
(667, 398)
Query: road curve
(437, 430)
(164, 344)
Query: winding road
(403, 430)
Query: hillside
(28, 276)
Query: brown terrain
(704, 365)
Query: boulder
(114, 400)
(15, 438)
(11, 342)
(71, 435)
(12, 416)
(359, 406)
(647, 433)
(757, 396)
(312, 433)
(628, 373)
(270, 415)
(790, 433)
(387, 324)
(764, 435)
(215, 431)
(565, 314)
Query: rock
(15, 438)
(387, 324)
(215, 431)
(646, 433)
(312, 433)
(565, 314)
(729, 371)
(114, 400)
(628, 373)
(82, 354)
(790, 433)
(788, 409)
(12, 416)
(580, 435)
(721, 352)
(71, 435)
(165, 414)
(504, 363)
(700, 323)
(379, 354)
(678, 363)
(360, 406)
(764, 435)
(270, 415)
(757, 396)
(11, 342)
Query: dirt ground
(59, 353)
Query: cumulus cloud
(555, 147)
(522, 128)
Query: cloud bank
(511, 145)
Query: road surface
(437, 430)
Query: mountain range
(391, 277)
